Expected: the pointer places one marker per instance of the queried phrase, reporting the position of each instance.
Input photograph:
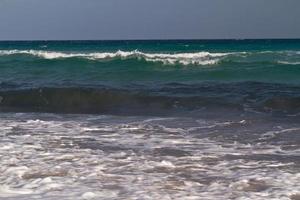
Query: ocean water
(199, 119)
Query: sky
(148, 19)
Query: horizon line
(184, 39)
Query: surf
(200, 58)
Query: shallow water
(59, 156)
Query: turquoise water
(121, 62)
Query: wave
(288, 63)
(194, 58)
(87, 100)
(159, 101)
(199, 58)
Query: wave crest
(288, 63)
(197, 58)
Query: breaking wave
(199, 58)
(184, 58)
(288, 63)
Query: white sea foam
(288, 63)
(138, 158)
(197, 58)
(193, 58)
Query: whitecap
(288, 63)
(196, 58)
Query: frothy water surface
(60, 156)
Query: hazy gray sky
(148, 19)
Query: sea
(146, 120)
